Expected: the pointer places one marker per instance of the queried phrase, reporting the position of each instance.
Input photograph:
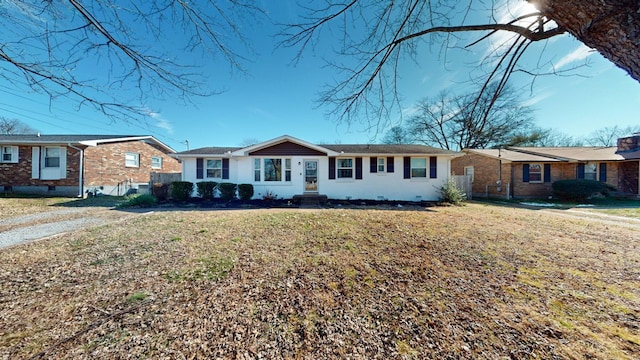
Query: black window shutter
(358, 168)
(332, 168)
(580, 171)
(407, 167)
(547, 172)
(603, 172)
(199, 168)
(390, 160)
(373, 164)
(433, 167)
(525, 172)
(225, 168)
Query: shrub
(181, 190)
(160, 191)
(245, 192)
(269, 195)
(452, 194)
(227, 191)
(579, 189)
(145, 200)
(206, 189)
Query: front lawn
(479, 282)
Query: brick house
(74, 165)
(528, 172)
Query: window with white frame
(132, 159)
(591, 171)
(381, 163)
(9, 154)
(156, 162)
(51, 157)
(287, 169)
(214, 168)
(256, 169)
(418, 167)
(272, 169)
(535, 173)
(345, 168)
(469, 172)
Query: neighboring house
(286, 167)
(73, 165)
(528, 172)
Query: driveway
(21, 229)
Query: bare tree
(457, 122)
(94, 52)
(378, 35)
(397, 135)
(14, 126)
(608, 135)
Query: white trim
(35, 162)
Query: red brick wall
(485, 173)
(19, 174)
(105, 164)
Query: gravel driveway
(32, 227)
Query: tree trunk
(612, 27)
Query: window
(132, 159)
(156, 162)
(272, 169)
(345, 168)
(418, 167)
(535, 173)
(468, 171)
(256, 169)
(214, 168)
(51, 157)
(381, 164)
(591, 171)
(7, 154)
(287, 169)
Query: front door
(311, 175)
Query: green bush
(245, 192)
(451, 194)
(206, 189)
(227, 191)
(579, 190)
(144, 200)
(181, 190)
(160, 191)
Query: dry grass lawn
(478, 282)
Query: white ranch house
(286, 167)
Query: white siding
(373, 186)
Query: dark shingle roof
(212, 150)
(61, 138)
(90, 140)
(388, 149)
(340, 148)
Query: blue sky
(275, 98)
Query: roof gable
(287, 148)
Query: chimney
(629, 143)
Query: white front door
(311, 175)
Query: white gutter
(81, 177)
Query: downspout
(81, 177)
